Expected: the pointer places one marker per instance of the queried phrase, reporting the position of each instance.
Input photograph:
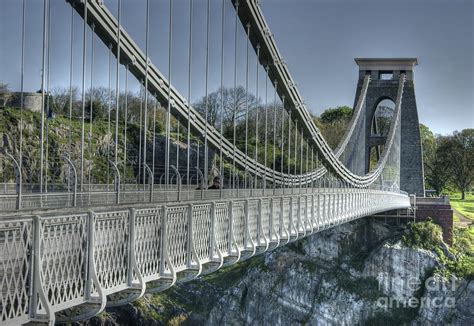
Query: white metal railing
(75, 263)
(53, 200)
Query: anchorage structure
(71, 245)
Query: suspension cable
(91, 109)
(266, 126)
(206, 109)
(140, 134)
(312, 163)
(256, 111)
(301, 157)
(274, 131)
(168, 114)
(109, 107)
(296, 147)
(22, 81)
(125, 115)
(197, 158)
(177, 145)
(289, 143)
(234, 120)
(117, 83)
(154, 140)
(188, 152)
(246, 106)
(71, 76)
(307, 157)
(282, 134)
(84, 62)
(48, 95)
(221, 163)
(145, 109)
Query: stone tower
(384, 85)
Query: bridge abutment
(436, 209)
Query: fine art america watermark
(444, 298)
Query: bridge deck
(74, 263)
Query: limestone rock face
(451, 302)
(399, 269)
(343, 276)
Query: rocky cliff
(362, 272)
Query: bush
(425, 235)
(457, 260)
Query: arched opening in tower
(380, 127)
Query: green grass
(465, 207)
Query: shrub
(425, 235)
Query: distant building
(31, 101)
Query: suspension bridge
(77, 236)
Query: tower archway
(381, 92)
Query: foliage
(333, 123)
(337, 114)
(436, 175)
(448, 160)
(426, 235)
(457, 260)
(457, 153)
(463, 250)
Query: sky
(318, 39)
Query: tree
(337, 114)
(457, 154)
(234, 105)
(61, 98)
(333, 123)
(436, 175)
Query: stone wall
(31, 101)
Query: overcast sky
(319, 40)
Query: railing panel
(276, 214)
(202, 231)
(286, 213)
(63, 248)
(222, 226)
(148, 241)
(304, 213)
(177, 229)
(297, 219)
(111, 246)
(265, 218)
(253, 216)
(16, 240)
(238, 208)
